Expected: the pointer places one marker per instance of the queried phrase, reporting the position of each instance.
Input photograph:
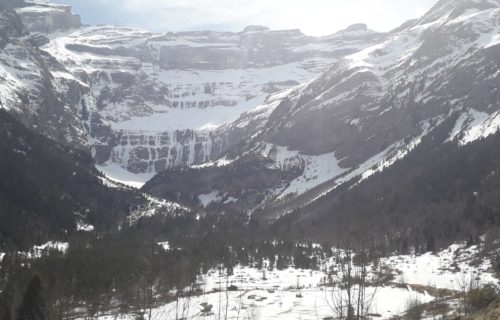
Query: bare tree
(187, 296)
(182, 307)
(252, 313)
(465, 284)
(348, 298)
(414, 309)
(185, 288)
(225, 272)
(141, 284)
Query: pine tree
(7, 300)
(32, 306)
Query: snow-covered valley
(289, 293)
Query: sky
(313, 17)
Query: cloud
(314, 17)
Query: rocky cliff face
(149, 151)
(44, 16)
(35, 86)
(156, 101)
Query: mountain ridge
(375, 106)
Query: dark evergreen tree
(32, 306)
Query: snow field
(302, 294)
(443, 270)
(116, 173)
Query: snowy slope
(34, 87)
(473, 125)
(443, 270)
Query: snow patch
(317, 170)
(153, 207)
(442, 270)
(38, 251)
(208, 198)
(191, 118)
(481, 126)
(165, 245)
(473, 125)
(118, 174)
(84, 227)
(217, 163)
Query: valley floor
(432, 279)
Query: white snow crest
(473, 125)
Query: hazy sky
(313, 17)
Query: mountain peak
(357, 27)
(455, 8)
(255, 28)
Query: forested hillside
(47, 189)
(440, 193)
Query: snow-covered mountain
(369, 110)
(151, 101)
(445, 62)
(35, 86)
(313, 113)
